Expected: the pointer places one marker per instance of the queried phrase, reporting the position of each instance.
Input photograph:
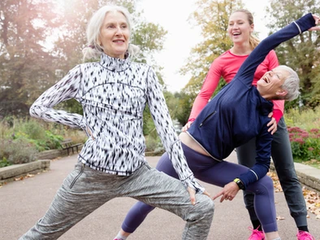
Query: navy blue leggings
(217, 173)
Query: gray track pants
(84, 190)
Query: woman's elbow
(35, 111)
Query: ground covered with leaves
(312, 197)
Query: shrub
(9, 154)
(305, 144)
(151, 143)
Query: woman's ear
(251, 28)
(281, 93)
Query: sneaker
(302, 235)
(256, 234)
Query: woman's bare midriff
(191, 143)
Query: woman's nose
(236, 26)
(119, 31)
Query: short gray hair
(93, 49)
(291, 84)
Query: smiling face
(114, 35)
(270, 85)
(239, 28)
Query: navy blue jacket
(238, 113)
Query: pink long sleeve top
(226, 66)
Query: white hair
(93, 50)
(291, 84)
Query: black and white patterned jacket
(113, 94)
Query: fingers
(192, 194)
(317, 28)
(187, 126)
(224, 196)
(206, 193)
(90, 133)
(273, 126)
(217, 195)
(316, 19)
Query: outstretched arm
(247, 69)
(305, 23)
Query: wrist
(191, 119)
(239, 183)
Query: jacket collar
(114, 64)
(265, 106)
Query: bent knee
(204, 205)
(264, 184)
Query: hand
(192, 194)
(187, 126)
(228, 192)
(317, 21)
(90, 133)
(273, 125)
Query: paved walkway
(22, 203)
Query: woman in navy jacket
(235, 115)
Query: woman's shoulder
(87, 65)
(272, 54)
(227, 58)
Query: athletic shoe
(302, 235)
(256, 234)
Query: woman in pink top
(226, 65)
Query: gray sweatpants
(85, 190)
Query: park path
(22, 203)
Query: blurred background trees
(40, 41)
(301, 53)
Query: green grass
(308, 120)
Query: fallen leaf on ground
(312, 198)
(280, 218)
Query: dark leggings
(216, 173)
(283, 162)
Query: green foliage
(35, 133)
(41, 134)
(305, 145)
(24, 62)
(304, 118)
(4, 162)
(213, 17)
(29, 66)
(301, 53)
(152, 143)
(304, 133)
(9, 154)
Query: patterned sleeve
(65, 89)
(164, 126)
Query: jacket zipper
(206, 118)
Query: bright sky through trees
(182, 36)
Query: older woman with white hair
(113, 93)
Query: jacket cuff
(277, 114)
(191, 119)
